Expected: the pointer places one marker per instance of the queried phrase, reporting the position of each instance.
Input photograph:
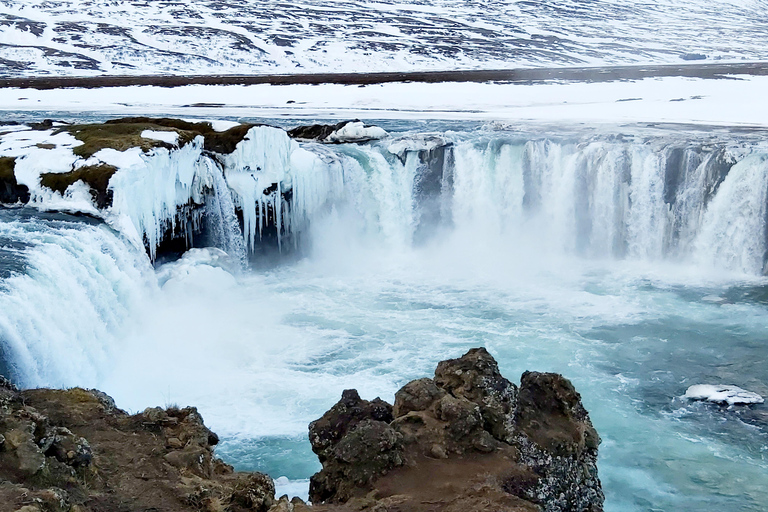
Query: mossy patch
(7, 165)
(125, 133)
(95, 176)
(120, 137)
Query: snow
(739, 100)
(723, 394)
(72, 37)
(132, 157)
(169, 137)
(356, 131)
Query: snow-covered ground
(92, 37)
(733, 101)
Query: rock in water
(345, 131)
(731, 395)
(466, 440)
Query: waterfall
(642, 198)
(222, 209)
(62, 317)
(733, 233)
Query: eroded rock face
(355, 443)
(530, 448)
(556, 438)
(10, 190)
(74, 450)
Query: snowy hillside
(90, 37)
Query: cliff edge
(466, 440)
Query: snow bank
(671, 99)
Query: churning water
(632, 265)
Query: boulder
(476, 377)
(557, 440)
(345, 131)
(466, 440)
(355, 443)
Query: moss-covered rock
(95, 176)
(125, 133)
(10, 190)
(118, 136)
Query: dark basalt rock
(475, 376)
(323, 133)
(10, 190)
(527, 449)
(317, 132)
(355, 443)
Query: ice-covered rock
(356, 131)
(424, 142)
(345, 131)
(731, 395)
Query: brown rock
(325, 432)
(417, 395)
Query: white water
(556, 255)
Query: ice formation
(594, 196)
(356, 131)
(731, 395)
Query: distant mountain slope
(91, 37)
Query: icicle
(152, 189)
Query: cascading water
(629, 263)
(62, 318)
(221, 209)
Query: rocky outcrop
(75, 451)
(10, 190)
(468, 439)
(345, 131)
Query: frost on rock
(730, 395)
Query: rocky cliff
(466, 440)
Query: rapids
(631, 263)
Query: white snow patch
(169, 137)
(131, 157)
(723, 394)
(356, 132)
(222, 126)
(419, 142)
(669, 99)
